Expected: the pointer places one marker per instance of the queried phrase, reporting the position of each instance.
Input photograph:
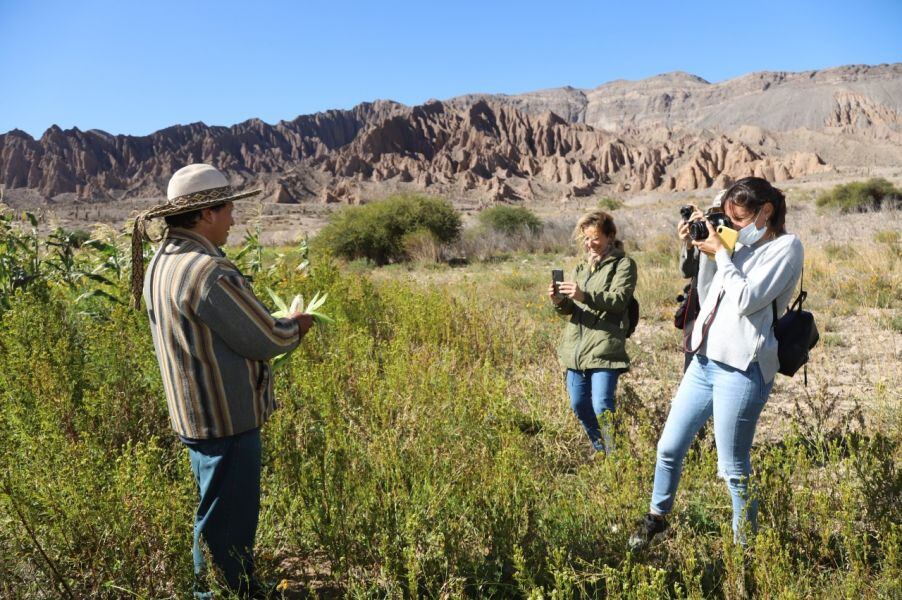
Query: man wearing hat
(213, 339)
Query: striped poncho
(212, 338)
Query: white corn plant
(284, 310)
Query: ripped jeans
(735, 398)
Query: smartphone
(557, 276)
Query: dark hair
(189, 219)
(752, 193)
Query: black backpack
(632, 311)
(796, 334)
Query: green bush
(610, 204)
(510, 220)
(861, 196)
(376, 231)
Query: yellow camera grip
(728, 236)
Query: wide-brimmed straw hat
(191, 188)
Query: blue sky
(134, 67)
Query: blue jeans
(735, 398)
(227, 471)
(592, 395)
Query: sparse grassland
(424, 446)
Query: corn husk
(285, 309)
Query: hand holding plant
(294, 309)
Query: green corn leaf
(321, 318)
(97, 278)
(98, 293)
(280, 304)
(280, 360)
(241, 253)
(315, 303)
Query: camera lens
(686, 212)
(698, 230)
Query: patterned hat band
(202, 196)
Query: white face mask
(750, 234)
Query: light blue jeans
(591, 395)
(735, 398)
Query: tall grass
(424, 448)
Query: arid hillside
(672, 132)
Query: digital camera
(699, 231)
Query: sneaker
(650, 526)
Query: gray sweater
(742, 330)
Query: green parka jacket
(595, 334)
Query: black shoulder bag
(796, 334)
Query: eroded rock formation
(670, 132)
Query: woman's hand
(683, 232)
(554, 297)
(710, 244)
(571, 290)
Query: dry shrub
(422, 247)
(484, 243)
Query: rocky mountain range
(670, 132)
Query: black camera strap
(691, 296)
(705, 327)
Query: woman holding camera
(593, 343)
(735, 362)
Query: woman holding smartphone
(593, 343)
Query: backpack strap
(796, 304)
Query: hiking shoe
(650, 526)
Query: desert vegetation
(859, 196)
(382, 232)
(424, 446)
(510, 220)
